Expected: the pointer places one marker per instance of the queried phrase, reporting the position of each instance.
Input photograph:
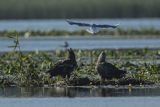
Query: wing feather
(62, 64)
(78, 23)
(106, 26)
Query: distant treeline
(40, 9)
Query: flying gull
(93, 28)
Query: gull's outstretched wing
(106, 26)
(78, 23)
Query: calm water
(73, 92)
(42, 25)
(81, 102)
(90, 42)
(79, 97)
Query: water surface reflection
(76, 92)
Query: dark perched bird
(107, 70)
(64, 67)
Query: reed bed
(46, 9)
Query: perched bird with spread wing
(93, 28)
(107, 70)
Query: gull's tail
(117, 25)
(89, 31)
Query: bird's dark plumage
(107, 70)
(65, 67)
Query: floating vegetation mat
(29, 68)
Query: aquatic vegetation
(147, 32)
(29, 68)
